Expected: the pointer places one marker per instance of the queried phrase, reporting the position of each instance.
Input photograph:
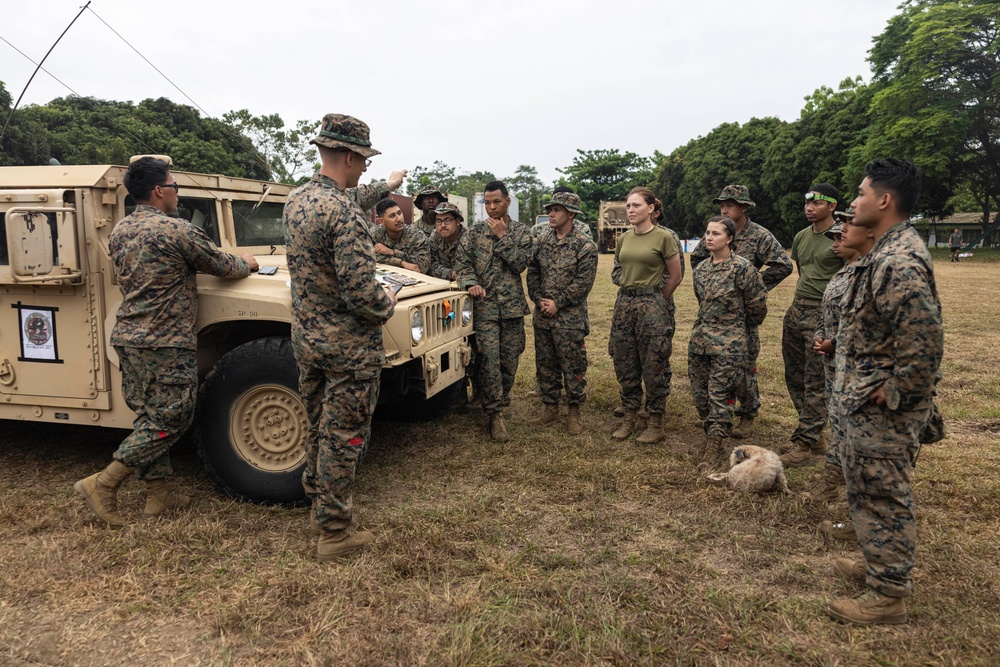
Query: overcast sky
(479, 86)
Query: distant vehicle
(58, 294)
(541, 224)
(612, 222)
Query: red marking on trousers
(354, 442)
(161, 434)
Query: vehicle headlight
(466, 311)
(416, 326)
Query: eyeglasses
(170, 185)
(815, 195)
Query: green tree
(529, 190)
(690, 177)
(25, 141)
(938, 64)
(605, 174)
(816, 148)
(287, 151)
(439, 174)
(85, 130)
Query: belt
(639, 291)
(808, 303)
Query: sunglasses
(815, 195)
(170, 185)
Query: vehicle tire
(251, 425)
(415, 408)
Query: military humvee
(612, 222)
(59, 300)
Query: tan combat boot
(573, 422)
(744, 429)
(313, 523)
(827, 488)
(627, 427)
(870, 608)
(619, 412)
(716, 456)
(498, 428)
(818, 448)
(851, 570)
(332, 546)
(838, 530)
(160, 498)
(100, 491)
(799, 455)
(654, 431)
(549, 415)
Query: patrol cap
(341, 131)
(448, 207)
(833, 231)
(567, 200)
(427, 191)
(738, 193)
(846, 214)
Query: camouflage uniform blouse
(157, 258)
(891, 332)
(443, 253)
(563, 270)
(758, 245)
(731, 297)
(337, 305)
(410, 247)
(829, 313)
(496, 266)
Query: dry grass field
(547, 550)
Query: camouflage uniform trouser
(160, 386)
(748, 393)
(499, 344)
(804, 372)
(340, 406)
(561, 359)
(878, 453)
(642, 336)
(715, 380)
(836, 421)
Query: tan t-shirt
(642, 256)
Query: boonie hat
(833, 231)
(846, 214)
(738, 193)
(427, 191)
(567, 200)
(341, 131)
(448, 207)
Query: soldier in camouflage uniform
(560, 278)
(804, 371)
(399, 244)
(338, 309)
(427, 200)
(647, 271)
(757, 244)
(892, 338)
(156, 258)
(445, 240)
(491, 257)
(731, 297)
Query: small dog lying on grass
(753, 470)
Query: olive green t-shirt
(642, 256)
(814, 254)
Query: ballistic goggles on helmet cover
(815, 195)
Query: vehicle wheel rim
(269, 427)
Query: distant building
(970, 224)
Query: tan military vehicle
(59, 300)
(612, 222)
